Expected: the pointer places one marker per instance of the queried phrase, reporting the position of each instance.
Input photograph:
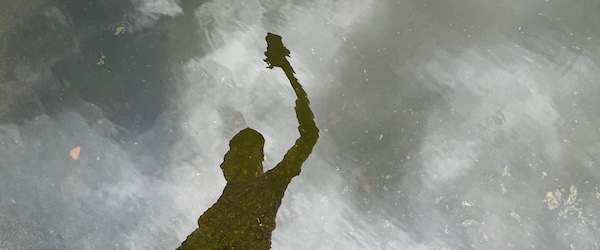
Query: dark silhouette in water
(244, 215)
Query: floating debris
(505, 171)
(515, 215)
(101, 61)
(75, 153)
(553, 199)
(119, 30)
(438, 199)
(469, 222)
(568, 206)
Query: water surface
(462, 124)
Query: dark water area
(122, 73)
(444, 124)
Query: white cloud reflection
(461, 125)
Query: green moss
(119, 30)
(101, 60)
(116, 30)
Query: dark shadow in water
(244, 215)
(122, 73)
(182, 35)
(81, 50)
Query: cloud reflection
(457, 125)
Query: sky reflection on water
(444, 125)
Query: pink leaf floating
(75, 153)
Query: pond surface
(444, 124)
